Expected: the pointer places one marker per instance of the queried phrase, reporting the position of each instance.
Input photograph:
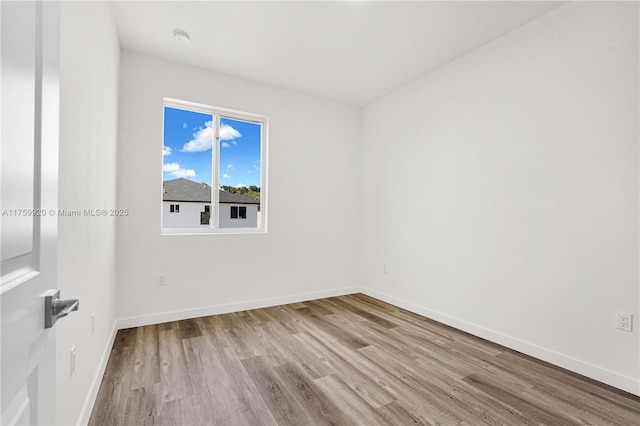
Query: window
(205, 216)
(213, 164)
(238, 212)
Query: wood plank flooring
(339, 361)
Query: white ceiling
(349, 51)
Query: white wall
(313, 167)
(187, 217)
(89, 67)
(502, 191)
(251, 221)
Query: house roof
(228, 197)
(186, 190)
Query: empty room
(320, 212)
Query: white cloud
(166, 150)
(256, 167)
(226, 176)
(228, 133)
(175, 170)
(231, 166)
(202, 139)
(184, 125)
(170, 167)
(241, 185)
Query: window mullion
(215, 169)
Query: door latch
(55, 308)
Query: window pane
(186, 167)
(240, 171)
(204, 218)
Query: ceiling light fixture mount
(181, 36)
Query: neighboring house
(187, 204)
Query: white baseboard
(626, 383)
(90, 400)
(231, 307)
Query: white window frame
(217, 113)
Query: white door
(29, 159)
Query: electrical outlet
(623, 321)
(162, 279)
(72, 365)
(93, 323)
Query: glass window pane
(187, 166)
(240, 171)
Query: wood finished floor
(338, 361)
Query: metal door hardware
(55, 308)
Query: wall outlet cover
(162, 279)
(624, 321)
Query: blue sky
(187, 152)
